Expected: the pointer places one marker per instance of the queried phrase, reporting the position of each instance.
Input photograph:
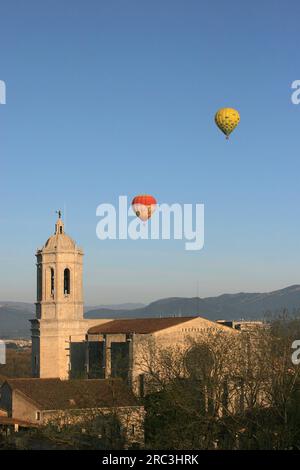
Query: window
(39, 282)
(133, 430)
(52, 281)
(142, 385)
(66, 281)
(38, 415)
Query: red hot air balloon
(144, 206)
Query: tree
(225, 391)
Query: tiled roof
(138, 325)
(56, 394)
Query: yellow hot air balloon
(227, 119)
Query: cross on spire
(59, 226)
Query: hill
(14, 316)
(227, 306)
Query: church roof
(60, 240)
(138, 325)
(56, 394)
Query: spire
(59, 226)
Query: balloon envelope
(144, 206)
(227, 119)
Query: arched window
(52, 281)
(39, 282)
(66, 281)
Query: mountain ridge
(15, 316)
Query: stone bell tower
(59, 306)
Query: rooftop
(56, 394)
(138, 325)
(60, 241)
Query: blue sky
(109, 98)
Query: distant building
(18, 344)
(243, 325)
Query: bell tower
(59, 305)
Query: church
(79, 365)
(67, 346)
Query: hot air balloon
(227, 119)
(144, 206)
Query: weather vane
(59, 213)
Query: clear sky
(117, 97)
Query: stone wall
(177, 338)
(130, 419)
